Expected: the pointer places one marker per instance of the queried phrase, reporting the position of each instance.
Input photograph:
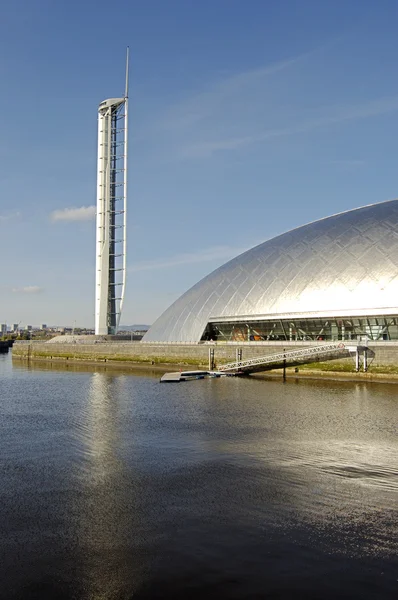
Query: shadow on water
(118, 487)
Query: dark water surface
(113, 486)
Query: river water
(113, 486)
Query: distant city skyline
(9, 327)
(246, 120)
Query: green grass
(384, 369)
(329, 366)
(348, 368)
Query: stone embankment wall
(385, 353)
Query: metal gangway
(289, 358)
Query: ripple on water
(117, 487)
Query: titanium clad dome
(346, 262)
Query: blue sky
(247, 118)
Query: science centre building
(334, 279)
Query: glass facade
(328, 329)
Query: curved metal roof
(346, 262)
(110, 102)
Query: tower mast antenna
(126, 92)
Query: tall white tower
(110, 275)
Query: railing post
(211, 359)
(239, 355)
(284, 364)
(365, 360)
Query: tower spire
(126, 92)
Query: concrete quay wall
(385, 353)
(183, 354)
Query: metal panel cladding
(344, 262)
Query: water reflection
(82, 367)
(315, 456)
(108, 522)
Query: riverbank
(156, 370)
(160, 358)
(315, 373)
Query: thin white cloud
(9, 216)
(207, 254)
(335, 115)
(28, 289)
(202, 104)
(84, 213)
(206, 149)
(348, 162)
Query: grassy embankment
(320, 367)
(348, 368)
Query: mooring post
(211, 359)
(365, 360)
(284, 364)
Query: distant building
(3, 327)
(43, 326)
(15, 327)
(28, 327)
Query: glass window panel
(376, 327)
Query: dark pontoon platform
(188, 375)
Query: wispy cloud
(331, 116)
(258, 105)
(28, 289)
(205, 255)
(84, 213)
(203, 104)
(349, 163)
(9, 216)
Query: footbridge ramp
(290, 358)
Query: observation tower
(110, 269)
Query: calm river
(113, 486)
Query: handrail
(290, 355)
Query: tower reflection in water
(108, 519)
